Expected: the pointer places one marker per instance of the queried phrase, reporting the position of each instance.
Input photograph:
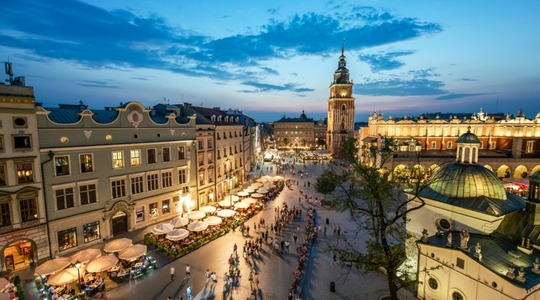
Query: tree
(379, 205)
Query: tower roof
(468, 138)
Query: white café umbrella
(242, 194)
(101, 263)
(63, 277)
(224, 203)
(277, 178)
(162, 228)
(53, 265)
(256, 185)
(117, 245)
(132, 252)
(196, 215)
(257, 195)
(226, 213)
(250, 201)
(249, 190)
(208, 209)
(3, 282)
(177, 234)
(241, 205)
(268, 184)
(234, 198)
(85, 255)
(262, 191)
(197, 226)
(213, 220)
(179, 222)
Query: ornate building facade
(23, 214)
(340, 124)
(509, 146)
(294, 133)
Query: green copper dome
(467, 181)
(472, 187)
(468, 138)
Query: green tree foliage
(379, 205)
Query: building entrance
(119, 223)
(18, 255)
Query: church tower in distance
(340, 109)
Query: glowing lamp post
(78, 266)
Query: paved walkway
(275, 271)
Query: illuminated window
(61, 164)
(153, 210)
(135, 156)
(118, 159)
(91, 232)
(165, 207)
(530, 147)
(25, 172)
(87, 164)
(67, 239)
(201, 177)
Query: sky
(277, 58)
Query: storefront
(19, 255)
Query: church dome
(457, 180)
(468, 138)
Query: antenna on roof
(9, 71)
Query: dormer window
(213, 118)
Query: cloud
(384, 61)
(458, 96)
(96, 38)
(264, 87)
(401, 87)
(98, 84)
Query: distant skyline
(276, 58)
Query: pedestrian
(207, 275)
(188, 271)
(257, 281)
(188, 293)
(213, 277)
(172, 274)
(324, 231)
(235, 248)
(225, 279)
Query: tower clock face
(343, 92)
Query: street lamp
(78, 265)
(229, 178)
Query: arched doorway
(19, 255)
(119, 223)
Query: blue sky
(275, 58)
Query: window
(210, 176)
(457, 296)
(210, 143)
(1, 143)
(210, 158)
(118, 188)
(3, 179)
(443, 224)
(201, 177)
(182, 176)
(151, 153)
(218, 154)
(449, 145)
(201, 145)
(460, 263)
(135, 157)
(433, 283)
(493, 145)
(5, 214)
(166, 179)
(153, 209)
(166, 154)
(28, 209)
(91, 232)
(201, 159)
(118, 159)
(19, 122)
(433, 145)
(139, 214)
(61, 164)
(88, 194)
(67, 239)
(152, 181)
(181, 152)
(87, 164)
(165, 208)
(64, 198)
(530, 147)
(185, 190)
(25, 172)
(22, 143)
(137, 184)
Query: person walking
(235, 248)
(172, 273)
(207, 275)
(188, 293)
(188, 271)
(213, 277)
